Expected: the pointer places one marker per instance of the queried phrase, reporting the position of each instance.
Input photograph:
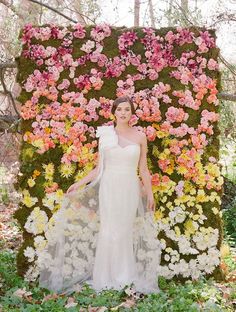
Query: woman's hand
(72, 188)
(150, 201)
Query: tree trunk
(151, 13)
(184, 5)
(136, 12)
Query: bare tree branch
(82, 21)
(7, 92)
(12, 8)
(8, 65)
(8, 124)
(184, 5)
(224, 17)
(54, 10)
(227, 97)
(227, 64)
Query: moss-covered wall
(69, 78)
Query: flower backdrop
(70, 77)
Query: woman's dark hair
(122, 99)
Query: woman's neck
(122, 128)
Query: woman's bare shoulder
(139, 135)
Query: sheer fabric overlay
(105, 248)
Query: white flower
(167, 257)
(49, 200)
(36, 221)
(31, 274)
(177, 215)
(88, 46)
(185, 246)
(29, 252)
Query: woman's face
(123, 112)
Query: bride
(105, 234)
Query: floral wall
(70, 77)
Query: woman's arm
(144, 172)
(88, 178)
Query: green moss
(31, 160)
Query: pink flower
(179, 188)
(100, 32)
(176, 115)
(170, 37)
(212, 64)
(127, 39)
(155, 179)
(79, 31)
(88, 46)
(151, 133)
(64, 84)
(179, 131)
(212, 159)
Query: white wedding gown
(103, 235)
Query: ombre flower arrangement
(70, 92)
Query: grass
(202, 295)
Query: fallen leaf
(129, 303)
(49, 297)
(97, 309)
(22, 293)
(71, 303)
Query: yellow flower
(38, 143)
(215, 210)
(158, 215)
(164, 199)
(213, 169)
(195, 217)
(188, 186)
(165, 220)
(59, 193)
(193, 191)
(31, 182)
(67, 170)
(161, 134)
(181, 170)
(190, 204)
(201, 196)
(169, 205)
(56, 208)
(27, 200)
(36, 173)
(155, 151)
(189, 227)
(49, 171)
(168, 249)
(177, 231)
(201, 180)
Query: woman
(104, 234)
(123, 109)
